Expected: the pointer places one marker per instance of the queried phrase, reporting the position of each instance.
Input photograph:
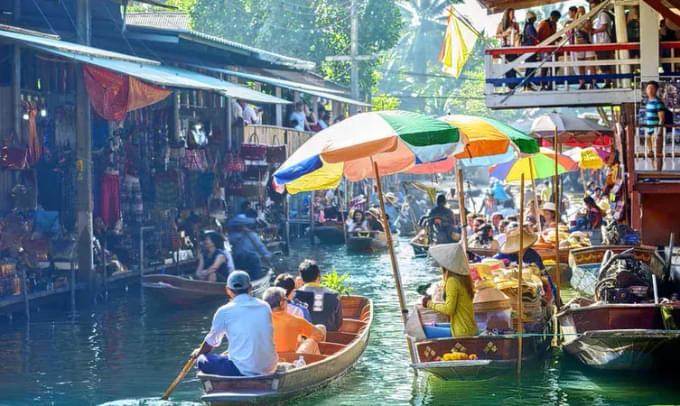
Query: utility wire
(45, 17)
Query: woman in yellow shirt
(458, 287)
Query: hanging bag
(233, 163)
(253, 150)
(276, 153)
(256, 170)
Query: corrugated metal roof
(148, 70)
(298, 87)
(175, 24)
(174, 20)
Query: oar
(179, 378)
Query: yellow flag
(458, 44)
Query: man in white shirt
(600, 33)
(236, 110)
(247, 323)
(249, 114)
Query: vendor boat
(368, 241)
(497, 354)
(330, 233)
(621, 336)
(483, 252)
(338, 354)
(185, 292)
(419, 248)
(585, 263)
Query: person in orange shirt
(288, 328)
(546, 29)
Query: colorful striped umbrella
(395, 140)
(484, 137)
(535, 166)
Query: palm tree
(423, 33)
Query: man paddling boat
(248, 324)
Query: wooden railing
(562, 71)
(656, 148)
(274, 135)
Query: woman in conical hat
(458, 287)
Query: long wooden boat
(419, 249)
(368, 241)
(330, 233)
(338, 354)
(585, 264)
(483, 252)
(549, 254)
(497, 354)
(621, 336)
(181, 291)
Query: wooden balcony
(564, 74)
(274, 135)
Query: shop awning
(325, 93)
(144, 69)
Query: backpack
(668, 117)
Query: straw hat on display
(451, 257)
(374, 212)
(391, 198)
(511, 245)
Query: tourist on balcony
(655, 115)
(298, 120)
(666, 34)
(633, 29)
(530, 39)
(250, 116)
(508, 33)
(582, 37)
(324, 119)
(546, 29)
(602, 26)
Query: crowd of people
(598, 29)
(294, 316)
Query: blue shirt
(652, 109)
(242, 244)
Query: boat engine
(626, 280)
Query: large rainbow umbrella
(536, 166)
(483, 137)
(395, 140)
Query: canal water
(126, 352)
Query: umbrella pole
(557, 190)
(533, 190)
(520, 262)
(461, 209)
(393, 257)
(583, 181)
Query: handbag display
(14, 158)
(276, 154)
(252, 190)
(233, 163)
(253, 150)
(256, 170)
(197, 137)
(234, 185)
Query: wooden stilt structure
(556, 193)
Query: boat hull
(368, 244)
(620, 336)
(330, 234)
(179, 291)
(284, 386)
(497, 355)
(419, 250)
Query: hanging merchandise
(131, 203)
(276, 153)
(253, 150)
(252, 190)
(195, 160)
(166, 185)
(197, 137)
(14, 158)
(256, 170)
(234, 184)
(110, 199)
(233, 163)
(35, 148)
(217, 206)
(113, 95)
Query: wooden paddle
(179, 378)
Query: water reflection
(125, 351)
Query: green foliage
(182, 5)
(337, 282)
(385, 102)
(305, 29)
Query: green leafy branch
(337, 282)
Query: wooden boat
(419, 249)
(483, 252)
(497, 354)
(181, 291)
(338, 354)
(330, 233)
(620, 336)
(368, 241)
(548, 254)
(585, 264)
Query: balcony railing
(562, 75)
(274, 135)
(656, 148)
